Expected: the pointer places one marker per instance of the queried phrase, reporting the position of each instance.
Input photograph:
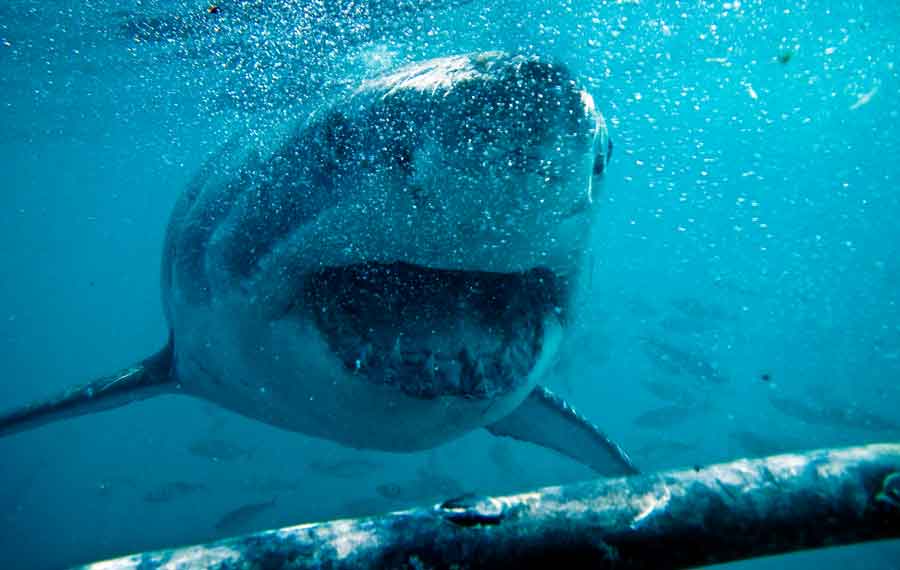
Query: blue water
(749, 220)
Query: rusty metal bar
(678, 519)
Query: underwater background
(745, 287)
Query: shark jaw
(435, 332)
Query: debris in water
(864, 99)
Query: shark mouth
(435, 332)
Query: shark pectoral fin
(146, 379)
(547, 420)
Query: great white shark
(392, 272)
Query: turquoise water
(745, 287)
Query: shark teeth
(430, 332)
(429, 374)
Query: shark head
(464, 234)
(421, 241)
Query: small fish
(390, 490)
(663, 417)
(171, 491)
(272, 485)
(757, 445)
(699, 310)
(839, 416)
(664, 447)
(158, 29)
(674, 392)
(238, 518)
(344, 468)
(106, 487)
(676, 361)
(427, 487)
(219, 450)
(681, 325)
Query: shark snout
(479, 162)
(504, 178)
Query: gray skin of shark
(390, 273)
